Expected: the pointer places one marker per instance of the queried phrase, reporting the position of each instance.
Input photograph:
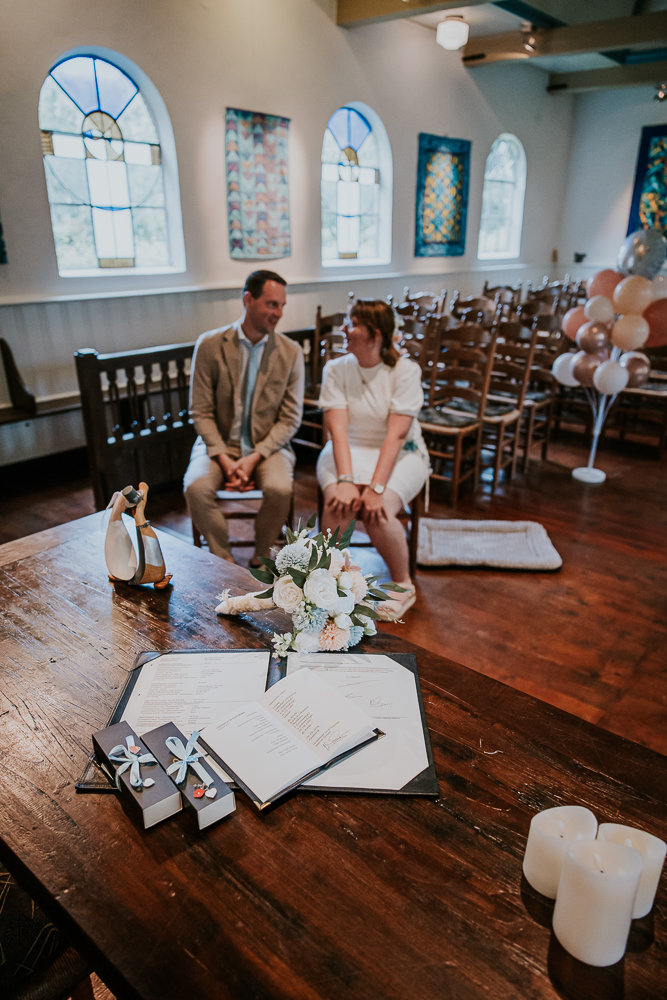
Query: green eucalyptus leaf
(357, 621)
(311, 521)
(298, 577)
(363, 609)
(395, 587)
(314, 555)
(379, 595)
(334, 537)
(347, 535)
(261, 575)
(266, 593)
(341, 593)
(270, 565)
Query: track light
(452, 32)
(661, 94)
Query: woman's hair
(378, 317)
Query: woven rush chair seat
(492, 410)
(433, 419)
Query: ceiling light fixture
(528, 37)
(661, 94)
(452, 32)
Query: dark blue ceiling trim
(628, 57)
(529, 13)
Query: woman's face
(359, 337)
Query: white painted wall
(280, 56)
(606, 134)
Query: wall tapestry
(443, 172)
(649, 198)
(257, 185)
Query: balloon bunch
(625, 311)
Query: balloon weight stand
(587, 475)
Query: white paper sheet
(387, 691)
(193, 689)
(298, 725)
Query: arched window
(103, 161)
(502, 199)
(356, 188)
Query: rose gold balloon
(572, 320)
(633, 295)
(656, 317)
(584, 365)
(603, 283)
(638, 366)
(593, 337)
(629, 332)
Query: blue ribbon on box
(187, 757)
(124, 756)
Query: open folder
(299, 727)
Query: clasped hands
(238, 472)
(350, 500)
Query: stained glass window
(103, 165)
(350, 188)
(502, 199)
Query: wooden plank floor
(591, 639)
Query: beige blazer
(215, 391)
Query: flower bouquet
(332, 603)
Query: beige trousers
(204, 477)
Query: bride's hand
(345, 499)
(372, 507)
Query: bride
(375, 460)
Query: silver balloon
(642, 253)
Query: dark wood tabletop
(326, 897)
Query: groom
(246, 402)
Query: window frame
(385, 199)
(518, 199)
(169, 163)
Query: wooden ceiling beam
(350, 13)
(643, 31)
(635, 75)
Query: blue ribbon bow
(123, 755)
(187, 757)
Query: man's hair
(255, 282)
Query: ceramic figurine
(118, 548)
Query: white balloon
(599, 309)
(610, 377)
(562, 369)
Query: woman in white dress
(375, 461)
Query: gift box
(205, 794)
(148, 792)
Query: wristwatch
(377, 488)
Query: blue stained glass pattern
(115, 89)
(649, 198)
(348, 128)
(442, 196)
(77, 78)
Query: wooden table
(327, 897)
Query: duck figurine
(119, 551)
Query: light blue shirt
(252, 358)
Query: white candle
(550, 833)
(596, 895)
(652, 850)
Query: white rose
(343, 621)
(368, 623)
(287, 595)
(343, 605)
(345, 581)
(337, 562)
(320, 589)
(304, 642)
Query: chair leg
(529, 439)
(413, 540)
(515, 448)
(196, 535)
(500, 443)
(456, 470)
(547, 430)
(478, 457)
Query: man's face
(265, 312)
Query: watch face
(378, 489)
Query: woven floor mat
(499, 544)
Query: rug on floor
(499, 544)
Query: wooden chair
(542, 389)
(135, 416)
(642, 412)
(328, 342)
(410, 517)
(480, 311)
(507, 389)
(461, 375)
(492, 292)
(423, 302)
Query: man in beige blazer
(246, 402)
